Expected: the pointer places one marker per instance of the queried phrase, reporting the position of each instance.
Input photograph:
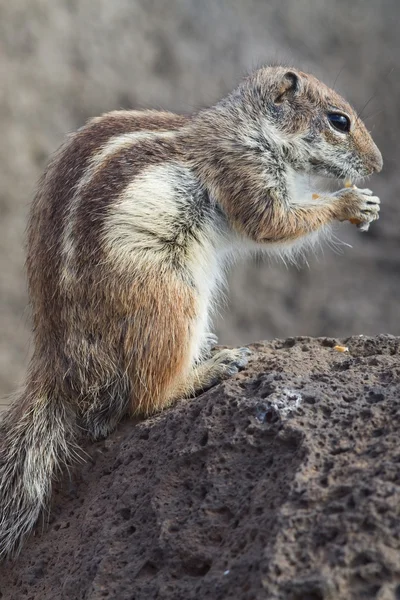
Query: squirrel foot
(222, 365)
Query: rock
(280, 483)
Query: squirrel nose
(376, 161)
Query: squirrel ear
(287, 87)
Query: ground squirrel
(130, 232)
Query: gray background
(66, 60)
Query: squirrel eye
(339, 122)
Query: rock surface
(281, 483)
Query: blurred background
(66, 60)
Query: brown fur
(160, 362)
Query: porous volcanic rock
(280, 483)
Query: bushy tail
(37, 437)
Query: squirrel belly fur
(134, 223)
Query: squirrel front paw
(358, 206)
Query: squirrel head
(316, 129)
